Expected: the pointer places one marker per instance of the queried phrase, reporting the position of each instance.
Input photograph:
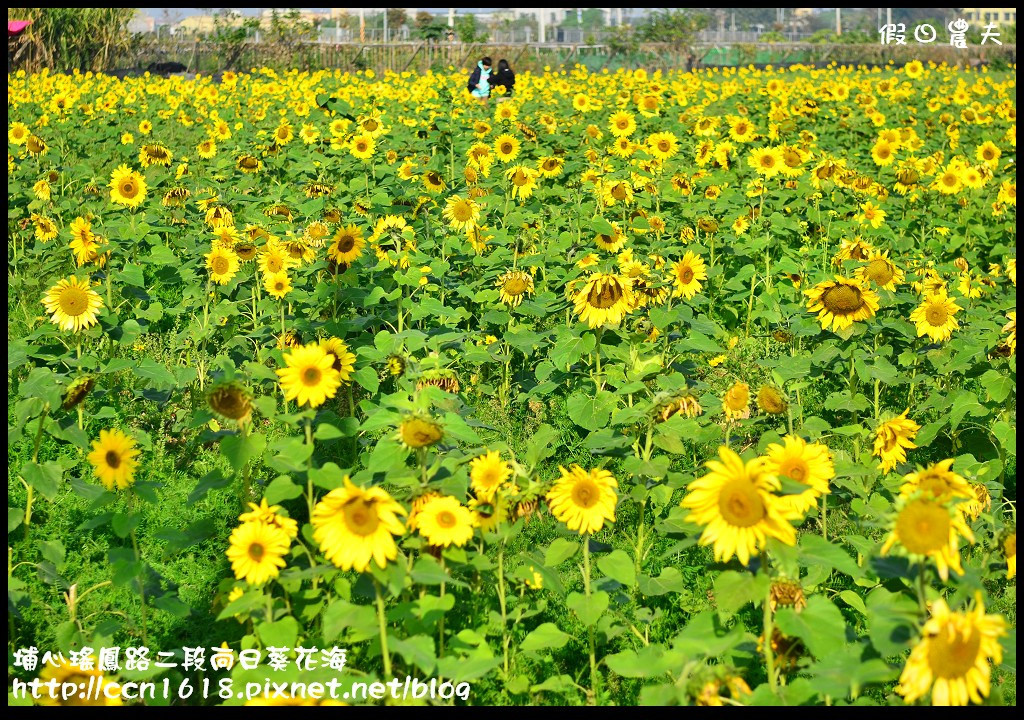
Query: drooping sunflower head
(736, 401)
(771, 401)
(231, 400)
(420, 431)
(787, 593)
(684, 403)
(77, 390)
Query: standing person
(478, 85)
(504, 77)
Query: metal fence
(209, 57)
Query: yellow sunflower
(418, 431)
(736, 401)
(687, 275)
(925, 527)
(892, 440)
(488, 473)
(277, 284)
(513, 286)
(604, 299)
(256, 551)
(222, 262)
(935, 317)
(736, 504)
(805, 463)
(356, 526)
(506, 147)
(583, 499)
(841, 302)
(72, 304)
(127, 187)
(309, 377)
(344, 360)
(881, 271)
(461, 213)
(113, 459)
(444, 521)
(954, 657)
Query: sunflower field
(632, 388)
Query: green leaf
(591, 412)
(159, 376)
(544, 637)
(367, 378)
(282, 633)
(44, 478)
(648, 661)
(619, 567)
(820, 625)
(241, 449)
(816, 551)
(588, 609)
(670, 580)
(559, 551)
(735, 589)
(280, 489)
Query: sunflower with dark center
(513, 286)
(841, 302)
(604, 299)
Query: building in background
(988, 16)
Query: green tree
(469, 30)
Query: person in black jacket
(478, 86)
(504, 77)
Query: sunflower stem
(142, 588)
(824, 517)
(501, 604)
(769, 630)
(922, 585)
(309, 468)
(440, 621)
(598, 383)
(382, 625)
(35, 457)
(590, 628)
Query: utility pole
(451, 17)
(888, 16)
(541, 30)
(362, 25)
(839, 21)
(385, 24)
